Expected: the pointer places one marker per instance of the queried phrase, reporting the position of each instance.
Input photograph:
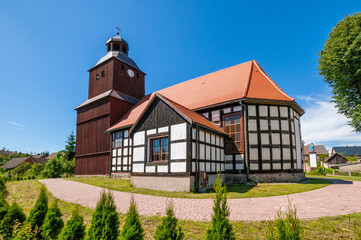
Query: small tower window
(137, 75)
(108, 47)
(122, 67)
(97, 77)
(103, 74)
(116, 47)
(124, 48)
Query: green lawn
(235, 190)
(352, 178)
(340, 227)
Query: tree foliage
(221, 228)
(105, 221)
(52, 223)
(21, 169)
(58, 166)
(168, 229)
(14, 216)
(70, 147)
(38, 213)
(3, 190)
(132, 229)
(74, 228)
(287, 226)
(340, 66)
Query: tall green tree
(70, 147)
(52, 223)
(340, 66)
(105, 221)
(168, 230)
(132, 229)
(74, 228)
(221, 228)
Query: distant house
(6, 153)
(14, 162)
(347, 151)
(51, 156)
(334, 160)
(41, 158)
(319, 149)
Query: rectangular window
(233, 127)
(159, 149)
(117, 139)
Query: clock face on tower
(130, 73)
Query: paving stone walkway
(342, 197)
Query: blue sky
(47, 47)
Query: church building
(237, 122)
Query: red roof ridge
(248, 80)
(218, 71)
(271, 81)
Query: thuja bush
(52, 223)
(221, 228)
(286, 226)
(3, 191)
(74, 228)
(168, 229)
(14, 217)
(4, 207)
(132, 229)
(105, 220)
(37, 215)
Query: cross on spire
(118, 29)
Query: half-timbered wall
(121, 151)
(274, 138)
(233, 162)
(208, 151)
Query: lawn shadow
(336, 181)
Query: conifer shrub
(168, 229)
(14, 217)
(38, 213)
(221, 228)
(52, 223)
(3, 190)
(74, 228)
(287, 226)
(132, 229)
(4, 207)
(105, 220)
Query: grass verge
(352, 178)
(340, 227)
(235, 190)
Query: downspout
(197, 151)
(245, 130)
(111, 154)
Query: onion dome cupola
(117, 43)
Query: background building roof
(14, 162)
(319, 149)
(348, 150)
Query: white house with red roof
(236, 121)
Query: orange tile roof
(246, 80)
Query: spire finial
(118, 29)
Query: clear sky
(46, 48)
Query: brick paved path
(342, 197)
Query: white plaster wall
(276, 138)
(213, 153)
(253, 166)
(125, 151)
(266, 154)
(193, 166)
(313, 161)
(239, 157)
(273, 111)
(178, 132)
(114, 152)
(237, 108)
(194, 150)
(208, 153)
(208, 167)
(178, 150)
(226, 110)
(213, 139)
(275, 125)
(201, 166)
(162, 169)
(276, 153)
(125, 142)
(264, 138)
(151, 131)
(253, 138)
(263, 124)
(138, 154)
(285, 139)
(201, 151)
(286, 165)
(222, 167)
(229, 166)
(222, 142)
(150, 169)
(286, 154)
(266, 166)
(283, 111)
(163, 129)
(263, 111)
(178, 167)
(194, 133)
(208, 138)
(201, 135)
(284, 125)
(253, 154)
(222, 155)
(298, 144)
(125, 161)
(277, 166)
(114, 161)
(252, 110)
(218, 154)
(218, 141)
(252, 125)
(138, 168)
(229, 157)
(119, 152)
(239, 166)
(139, 138)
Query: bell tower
(116, 83)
